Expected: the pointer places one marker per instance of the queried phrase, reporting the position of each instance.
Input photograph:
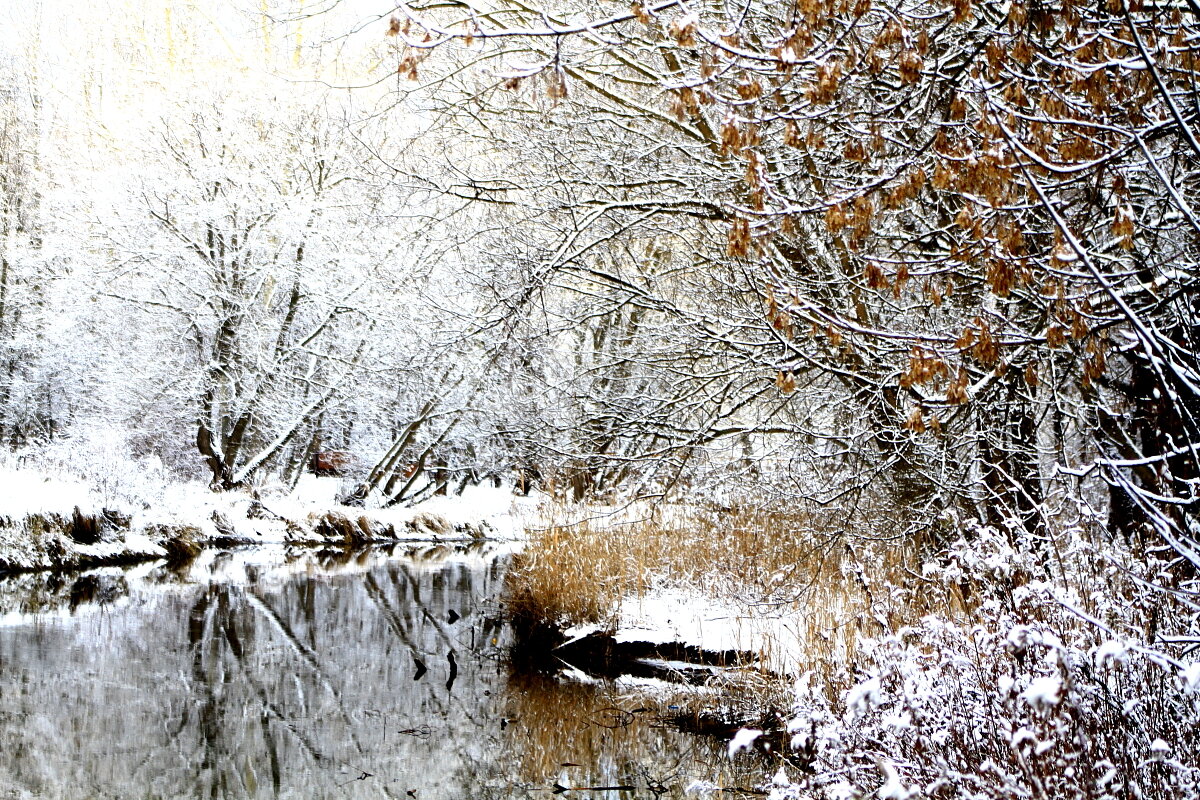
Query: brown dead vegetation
(822, 568)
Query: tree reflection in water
(313, 674)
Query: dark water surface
(264, 673)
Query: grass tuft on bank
(754, 560)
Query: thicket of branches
(949, 246)
(946, 250)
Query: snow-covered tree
(249, 251)
(969, 225)
(26, 411)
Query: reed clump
(834, 582)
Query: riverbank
(54, 521)
(996, 664)
(857, 657)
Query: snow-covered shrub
(103, 459)
(1063, 688)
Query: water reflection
(308, 674)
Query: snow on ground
(501, 513)
(24, 492)
(670, 615)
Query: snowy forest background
(215, 263)
(942, 255)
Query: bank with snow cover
(56, 522)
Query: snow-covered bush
(103, 459)
(1063, 688)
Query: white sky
(104, 68)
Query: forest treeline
(942, 252)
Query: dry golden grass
(822, 571)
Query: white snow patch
(865, 696)
(24, 492)
(893, 788)
(1191, 676)
(742, 740)
(842, 790)
(675, 615)
(1111, 651)
(659, 686)
(1043, 692)
(314, 490)
(570, 674)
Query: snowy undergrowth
(744, 578)
(1063, 682)
(1002, 665)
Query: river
(275, 673)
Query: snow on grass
(39, 494)
(24, 492)
(498, 509)
(264, 516)
(678, 615)
(1043, 692)
(865, 696)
